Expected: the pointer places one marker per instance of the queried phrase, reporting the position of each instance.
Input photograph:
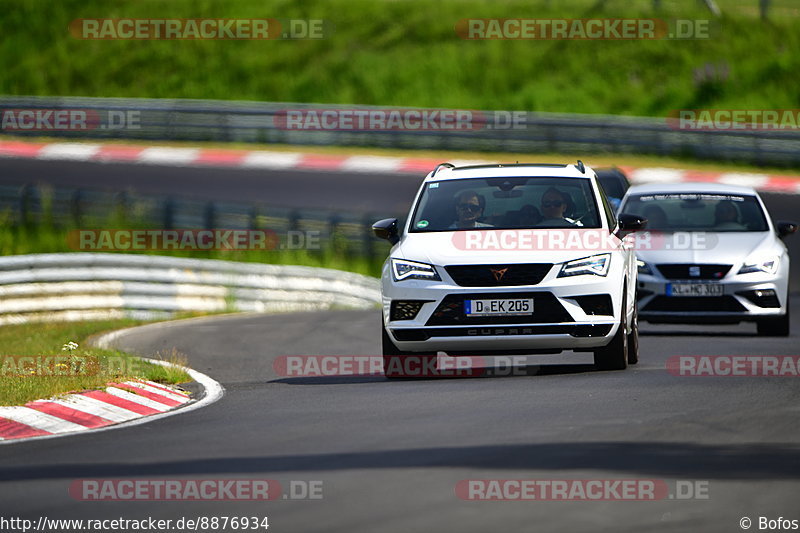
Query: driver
(726, 216)
(656, 217)
(469, 208)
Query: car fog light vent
(595, 304)
(762, 297)
(406, 309)
(600, 330)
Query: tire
(775, 327)
(633, 338)
(393, 359)
(614, 356)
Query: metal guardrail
(84, 286)
(237, 121)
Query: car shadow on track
(694, 333)
(475, 373)
(669, 459)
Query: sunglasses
(471, 207)
(552, 203)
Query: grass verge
(50, 370)
(408, 53)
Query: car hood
(729, 248)
(448, 248)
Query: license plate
(499, 307)
(694, 289)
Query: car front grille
(546, 309)
(694, 304)
(498, 275)
(693, 271)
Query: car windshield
(506, 203)
(698, 212)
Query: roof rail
(581, 167)
(440, 165)
(503, 165)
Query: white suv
(509, 259)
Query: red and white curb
(262, 159)
(119, 405)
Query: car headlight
(643, 267)
(402, 270)
(596, 265)
(768, 264)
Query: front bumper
(559, 322)
(739, 301)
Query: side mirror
(786, 228)
(631, 222)
(386, 229)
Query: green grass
(83, 368)
(407, 53)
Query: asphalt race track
(361, 192)
(390, 454)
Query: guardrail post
(334, 241)
(294, 220)
(210, 216)
(368, 239)
(169, 212)
(26, 198)
(123, 202)
(77, 206)
(253, 218)
(333, 223)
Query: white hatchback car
(711, 255)
(510, 259)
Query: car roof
(508, 170)
(613, 174)
(691, 187)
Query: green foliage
(407, 53)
